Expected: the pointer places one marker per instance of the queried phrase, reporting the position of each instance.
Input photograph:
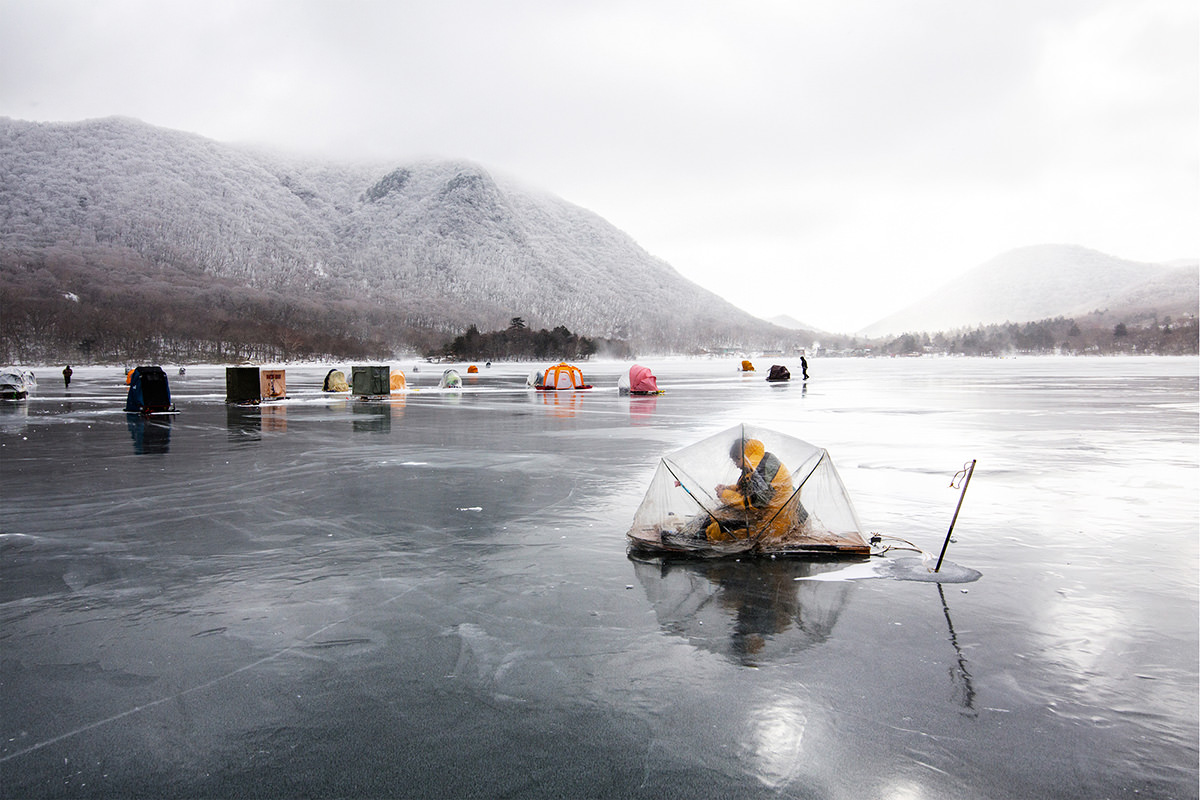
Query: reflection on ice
(274, 417)
(960, 677)
(746, 610)
(13, 417)
(641, 408)
(244, 423)
(151, 435)
(371, 417)
(564, 404)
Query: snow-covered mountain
(1046, 281)
(118, 205)
(791, 323)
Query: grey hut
(370, 381)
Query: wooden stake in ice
(969, 469)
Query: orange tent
(561, 376)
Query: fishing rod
(969, 469)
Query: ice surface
(430, 595)
(924, 569)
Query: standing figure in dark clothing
(67, 376)
(804, 366)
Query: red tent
(642, 380)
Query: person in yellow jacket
(756, 499)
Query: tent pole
(795, 492)
(683, 486)
(970, 470)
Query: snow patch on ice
(854, 572)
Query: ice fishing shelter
(639, 380)
(746, 366)
(372, 381)
(397, 381)
(779, 373)
(273, 383)
(242, 385)
(335, 381)
(149, 391)
(560, 376)
(747, 490)
(16, 383)
(450, 380)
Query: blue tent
(148, 391)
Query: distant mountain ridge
(438, 245)
(791, 323)
(1045, 281)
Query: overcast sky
(832, 160)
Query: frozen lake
(431, 596)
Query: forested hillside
(119, 240)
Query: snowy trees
(518, 342)
(219, 243)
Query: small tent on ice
(372, 381)
(274, 384)
(242, 385)
(779, 373)
(399, 384)
(16, 383)
(639, 380)
(450, 380)
(149, 391)
(335, 381)
(560, 376)
(747, 366)
(747, 490)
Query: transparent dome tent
(748, 490)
